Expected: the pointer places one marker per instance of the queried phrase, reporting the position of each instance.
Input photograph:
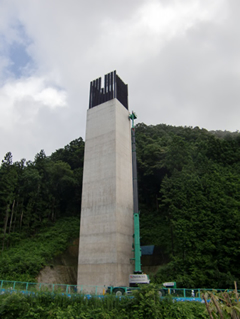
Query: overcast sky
(180, 59)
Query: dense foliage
(145, 304)
(189, 193)
(24, 261)
(189, 184)
(223, 304)
(36, 194)
(39, 209)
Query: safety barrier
(189, 293)
(6, 285)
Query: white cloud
(51, 97)
(180, 59)
(151, 27)
(22, 99)
(175, 17)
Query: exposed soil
(63, 268)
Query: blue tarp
(147, 250)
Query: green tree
(8, 183)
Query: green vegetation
(24, 261)
(223, 305)
(36, 194)
(39, 209)
(189, 192)
(189, 187)
(145, 304)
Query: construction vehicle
(138, 277)
(164, 289)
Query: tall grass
(145, 304)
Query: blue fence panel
(179, 294)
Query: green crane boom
(136, 235)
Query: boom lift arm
(136, 235)
(137, 277)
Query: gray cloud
(180, 59)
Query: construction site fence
(53, 288)
(6, 285)
(191, 293)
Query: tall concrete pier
(106, 227)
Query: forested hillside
(189, 186)
(39, 209)
(34, 194)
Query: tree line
(189, 194)
(189, 185)
(36, 194)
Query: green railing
(7, 285)
(194, 292)
(54, 288)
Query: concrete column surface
(106, 227)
